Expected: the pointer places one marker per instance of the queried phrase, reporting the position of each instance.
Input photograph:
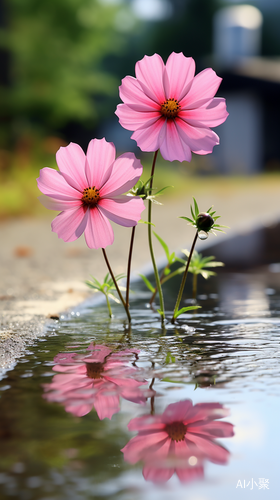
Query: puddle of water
(167, 399)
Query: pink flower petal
(126, 171)
(204, 85)
(131, 119)
(156, 474)
(199, 140)
(151, 138)
(132, 93)
(180, 71)
(173, 147)
(71, 161)
(52, 183)
(70, 225)
(176, 412)
(123, 210)
(58, 205)
(98, 231)
(149, 73)
(211, 116)
(100, 158)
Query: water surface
(227, 353)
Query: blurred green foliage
(55, 53)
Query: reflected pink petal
(107, 406)
(170, 443)
(157, 475)
(146, 447)
(212, 451)
(212, 429)
(176, 411)
(189, 473)
(98, 378)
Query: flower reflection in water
(97, 379)
(179, 440)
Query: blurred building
(251, 85)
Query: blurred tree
(56, 49)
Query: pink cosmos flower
(96, 380)
(179, 440)
(88, 189)
(170, 109)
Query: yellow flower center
(94, 370)
(176, 431)
(170, 108)
(90, 197)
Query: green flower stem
(184, 279)
(116, 285)
(161, 282)
(108, 305)
(158, 285)
(129, 266)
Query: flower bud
(204, 222)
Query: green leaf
(163, 244)
(215, 264)
(185, 309)
(196, 209)
(146, 222)
(158, 193)
(187, 218)
(160, 312)
(193, 216)
(169, 358)
(148, 283)
(207, 274)
(166, 271)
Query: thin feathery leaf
(187, 218)
(185, 309)
(164, 245)
(196, 209)
(148, 283)
(193, 216)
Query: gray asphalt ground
(41, 276)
